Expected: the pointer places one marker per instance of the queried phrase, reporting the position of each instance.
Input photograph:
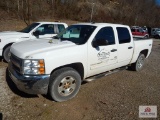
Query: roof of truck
(102, 24)
(50, 22)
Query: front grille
(16, 63)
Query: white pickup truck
(35, 30)
(83, 51)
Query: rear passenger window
(61, 27)
(123, 35)
(106, 33)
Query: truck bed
(140, 45)
(137, 39)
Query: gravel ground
(114, 97)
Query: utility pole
(92, 10)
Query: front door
(45, 31)
(103, 58)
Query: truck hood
(9, 34)
(26, 49)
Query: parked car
(155, 32)
(84, 51)
(138, 32)
(33, 31)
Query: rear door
(125, 47)
(103, 58)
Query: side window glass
(61, 27)
(46, 29)
(40, 29)
(140, 30)
(106, 33)
(123, 35)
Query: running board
(104, 74)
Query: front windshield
(29, 28)
(77, 34)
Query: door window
(106, 33)
(141, 30)
(123, 35)
(46, 29)
(61, 27)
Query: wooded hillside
(131, 12)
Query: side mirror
(55, 37)
(99, 42)
(94, 43)
(36, 33)
(102, 42)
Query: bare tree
(131, 12)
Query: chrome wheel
(138, 65)
(67, 86)
(140, 61)
(64, 84)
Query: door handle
(24, 37)
(130, 47)
(113, 50)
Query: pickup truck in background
(138, 32)
(83, 51)
(33, 31)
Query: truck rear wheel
(6, 53)
(157, 37)
(146, 36)
(138, 65)
(64, 84)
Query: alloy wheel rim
(67, 86)
(140, 62)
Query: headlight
(34, 67)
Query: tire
(6, 53)
(157, 37)
(146, 36)
(64, 84)
(138, 65)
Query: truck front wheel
(138, 65)
(64, 84)
(6, 53)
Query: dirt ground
(114, 97)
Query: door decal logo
(103, 55)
